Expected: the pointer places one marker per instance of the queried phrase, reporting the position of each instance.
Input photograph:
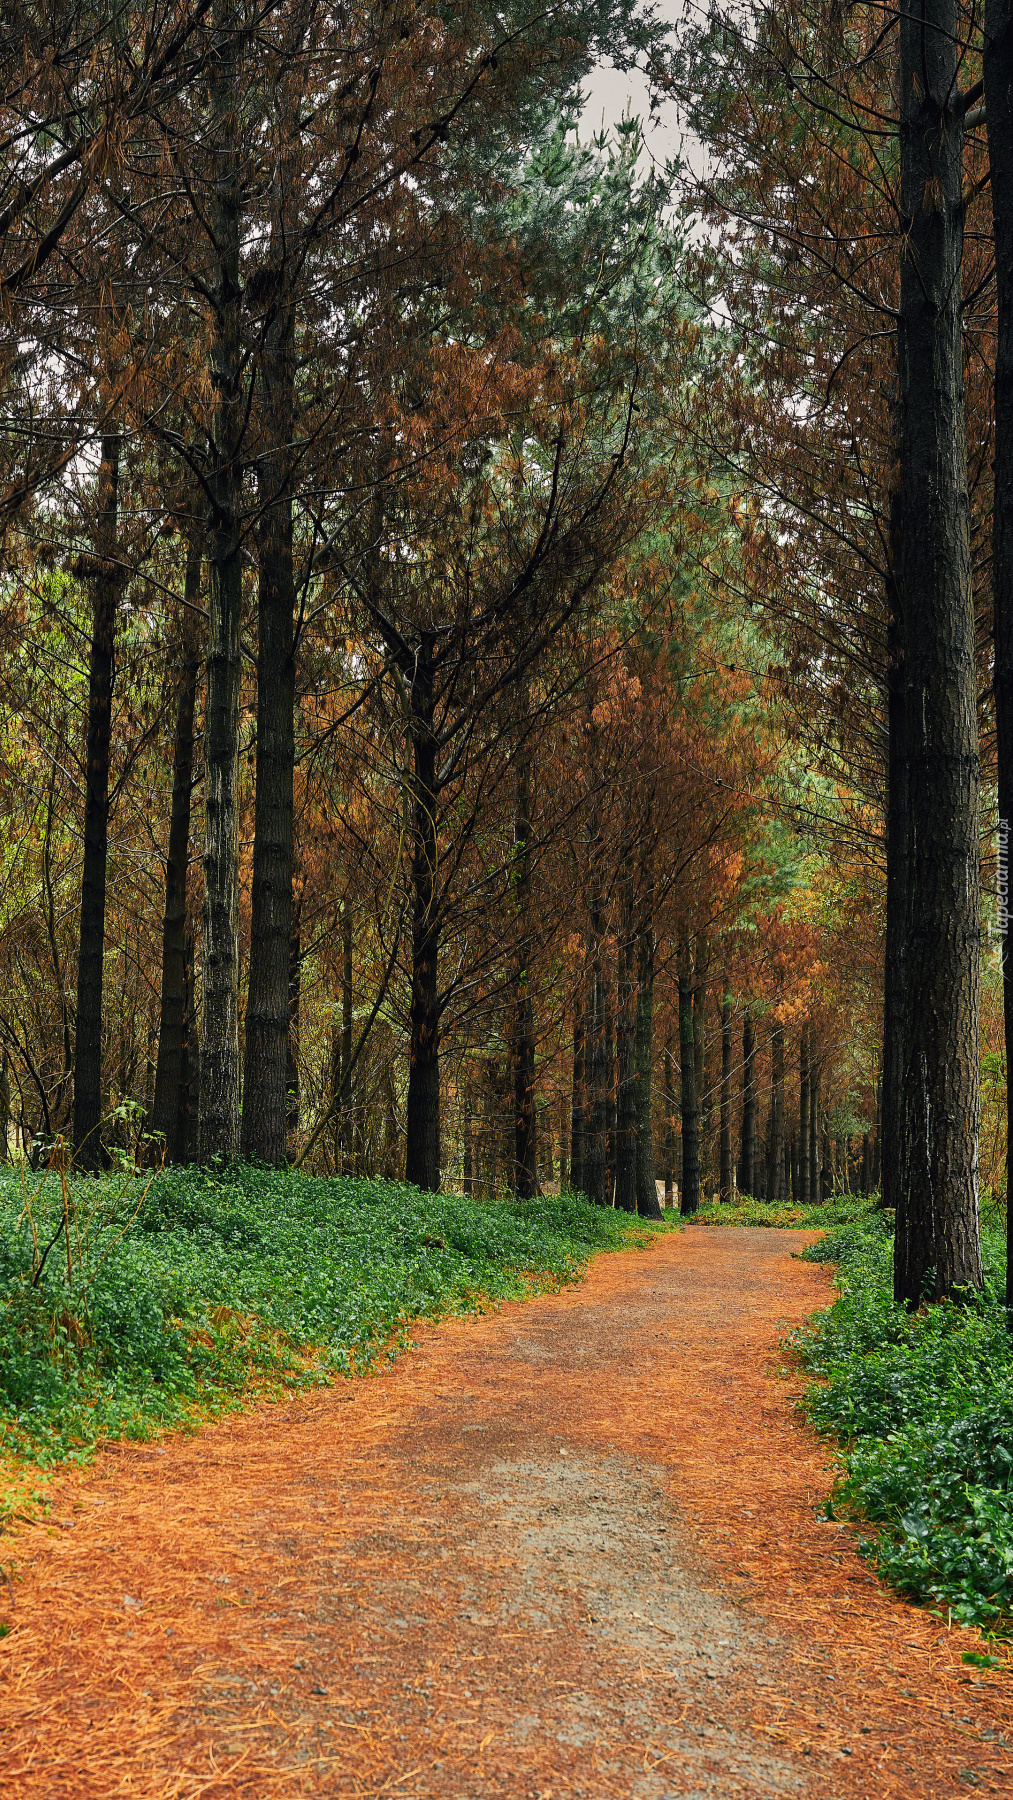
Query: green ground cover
(783, 1215)
(159, 1302)
(922, 1406)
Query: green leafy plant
(190, 1287)
(922, 1406)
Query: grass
(160, 1302)
(922, 1406)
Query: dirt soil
(571, 1548)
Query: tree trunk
(345, 1126)
(293, 1041)
(91, 952)
(626, 1022)
(596, 1052)
(815, 1186)
(775, 1183)
(266, 1104)
(669, 1122)
(897, 851)
(562, 1143)
(219, 1091)
(596, 1127)
(647, 1192)
(803, 1116)
(690, 1200)
(525, 1150)
(998, 75)
(748, 1165)
(468, 1169)
(725, 1184)
(937, 1246)
(700, 1049)
(168, 1115)
(577, 1107)
(422, 1134)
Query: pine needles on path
(571, 1548)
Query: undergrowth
(922, 1406)
(843, 1209)
(157, 1302)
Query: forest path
(566, 1549)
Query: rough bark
(268, 1008)
(669, 1122)
(998, 77)
(219, 1089)
(168, 1113)
(937, 1245)
(897, 849)
(105, 587)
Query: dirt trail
(568, 1549)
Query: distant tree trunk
(468, 1181)
(748, 1170)
(647, 1191)
(775, 1182)
(596, 1128)
(803, 1116)
(690, 1200)
(525, 1151)
(997, 64)
(610, 1099)
(293, 1045)
(577, 1107)
(5, 1109)
(189, 1074)
(626, 1022)
(346, 1036)
(105, 584)
(219, 1091)
(700, 1050)
(725, 1183)
(562, 1143)
(422, 1135)
(937, 1249)
(596, 1049)
(669, 1121)
(543, 1138)
(815, 1189)
(168, 1116)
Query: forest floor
(571, 1548)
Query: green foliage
(923, 1406)
(160, 1301)
(843, 1209)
